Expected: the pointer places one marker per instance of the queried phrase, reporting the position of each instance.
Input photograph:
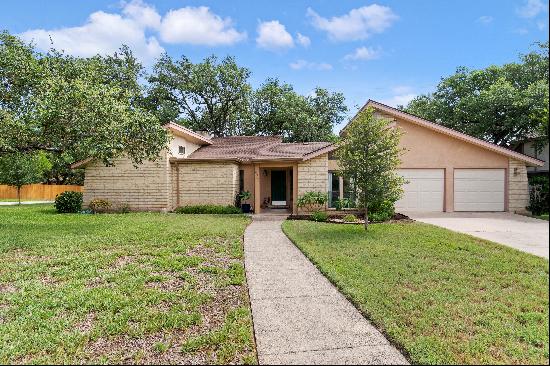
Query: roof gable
(449, 132)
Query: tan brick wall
(518, 186)
(144, 188)
(207, 183)
(313, 175)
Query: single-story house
(446, 170)
(529, 148)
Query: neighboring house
(527, 147)
(447, 171)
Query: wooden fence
(37, 192)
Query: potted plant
(245, 196)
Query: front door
(278, 187)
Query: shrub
(68, 202)
(319, 216)
(208, 209)
(343, 203)
(350, 218)
(124, 208)
(381, 211)
(99, 205)
(538, 194)
(312, 200)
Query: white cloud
(103, 33)
(532, 8)
(358, 24)
(541, 25)
(485, 19)
(302, 40)
(363, 54)
(402, 95)
(303, 64)
(199, 26)
(273, 36)
(521, 31)
(144, 14)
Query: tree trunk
(19, 194)
(366, 218)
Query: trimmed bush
(538, 194)
(350, 218)
(319, 216)
(208, 209)
(68, 202)
(99, 205)
(381, 211)
(312, 201)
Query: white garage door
(424, 192)
(479, 189)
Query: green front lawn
(441, 296)
(122, 288)
(543, 217)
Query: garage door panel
(479, 189)
(423, 192)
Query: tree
(75, 107)
(500, 104)
(278, 110)
(209, 96)
(18, 169)
(369, 155)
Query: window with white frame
(181, 150)
(340, 188)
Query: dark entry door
(278, 186)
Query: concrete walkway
(11, 203)
(523, 233)
(299, 317)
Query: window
(334, 189)
(181, 150)
(241, 180)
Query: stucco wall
(178, 141)
(313, 175)
(144, 188)
(206, 183)
(518, 191)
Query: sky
(389, 51)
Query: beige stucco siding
(178, 141)
(146, 187)
(206, 183)
(518, 191)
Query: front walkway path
(299, 316)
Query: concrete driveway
(523, 233)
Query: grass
(542, 217)
(442, 297)
(122, 288)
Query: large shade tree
(500, 104)
(74, 107)
(369, 155)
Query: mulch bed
(338, 219)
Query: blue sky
(383, 50)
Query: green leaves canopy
(370, 155)
(500, 104)
(74, 107)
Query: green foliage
(99, 205)
(74, 107)
(278, 110)
(319, 216)
(312, 200)
(538, 195)
(381, 211)
(245, 195)
(343, 203)
(370, 155)
(350, 218)
(208, 209)
(18, 169)
(68, 202)
(210, 96)
(500, 104)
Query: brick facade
(518, 186)
(313, 175)
(146, 187)
(205, 183)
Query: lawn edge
(393, 342)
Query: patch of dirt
(7, 288)
(87, 323)
(95, 282)
(123, 261)
(174, 282)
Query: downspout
(177, 184)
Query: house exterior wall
(145, 188)
(206, 183)
(313, 175)
(528, 148)
(518, 187)
(178, 141)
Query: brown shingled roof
(246, 148)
